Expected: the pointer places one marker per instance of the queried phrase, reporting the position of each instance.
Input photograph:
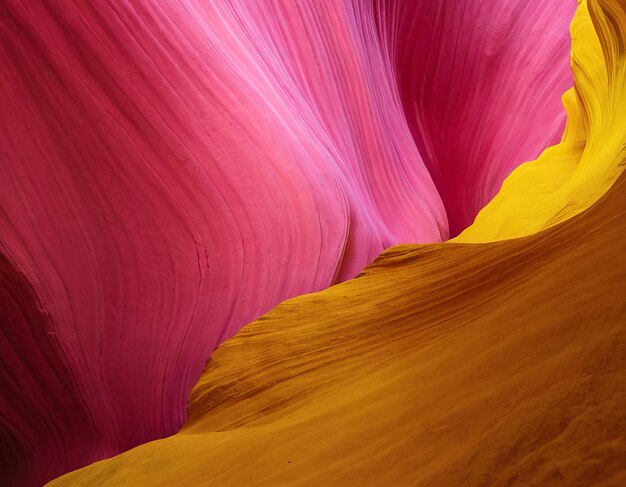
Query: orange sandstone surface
(449, 364)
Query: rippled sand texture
(502, 363)
(492, 364)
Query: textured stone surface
(172, 170)
(500, 363)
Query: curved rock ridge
(441, 365)
(571, 176)
(499, 363)
(470, 97)
(170, 171)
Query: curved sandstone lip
(455, 364)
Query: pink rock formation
(480, 84)
(172, 170)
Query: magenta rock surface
(480, 83)
(172, 170)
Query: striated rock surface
(473, 77)
(172, 170)
(501, 363)
(451, 364)
(572, 175)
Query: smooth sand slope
(454, 364)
